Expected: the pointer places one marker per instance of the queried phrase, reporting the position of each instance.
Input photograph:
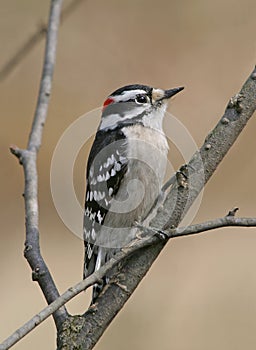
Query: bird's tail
(99, 257)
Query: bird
(125, 171)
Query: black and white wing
(106, 168)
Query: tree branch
(130, 265)
(28, 158)
(32, 41)
(150, 237)
(180, 198)
(227, 221)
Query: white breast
(149, 146)
(147, 158)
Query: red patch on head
(108, 102)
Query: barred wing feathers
(106, 168)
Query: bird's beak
(160, 95)
(172, 92)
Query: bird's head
(133, 104)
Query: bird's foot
(147, 231)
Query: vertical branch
(28, 158)
(35, 137)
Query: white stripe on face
(110, 121)
(127, 95)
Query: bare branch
(22, 52)
(141, 253)
(32, 41)
(53, 307)
(180, 198)
(150, 237)
(28, 158)
(214, 224)
(78, 288)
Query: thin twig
(150, 237)
(28, 158)
(227, 221)
(50, 309)
(32, 41)
(22, 52)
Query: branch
(28, 158)
(177, 202)
(31, 42)
(150, 237)
(227, 221)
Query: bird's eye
(141, 99)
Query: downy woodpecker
(125, 171)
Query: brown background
(200, 294)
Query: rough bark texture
(83, 332)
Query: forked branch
(28, 159)
(150, 237)
(140, 255)
(180, 198)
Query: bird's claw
(163, 236)
(145, 231)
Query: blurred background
(200, 293)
